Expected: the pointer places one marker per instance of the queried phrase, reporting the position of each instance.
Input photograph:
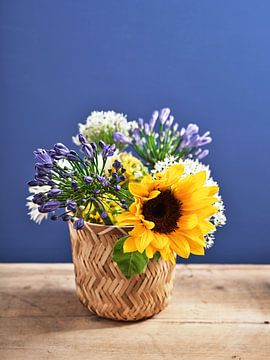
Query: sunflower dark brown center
(164, 211)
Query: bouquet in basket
(159, 190)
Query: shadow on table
(54, 310)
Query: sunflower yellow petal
(195, 248)
(188, 221)
(206, 226)
(138, 189)
(150, 251)
(180, 246)
(129, 245)
(144, 240)
(160, 240)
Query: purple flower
(74, 185)
(72, 156)
(140, 123)
(79, 224)
(49, 206)
(146, 129)
(163, 115)
(61, 149)
(117, 187)
(71, 205)
(108, 150)
(96, 191)
(203, 154)
(124, 206)
(169, 122)
(153, 119)
(121, 138)
(88, 179)
(101, 144)
(117, 165)
(137, 136)
(104, 215)
(33, 183)
(82, 139)
(43, 158)
(88, 151)
(205, 139)
(55, 192)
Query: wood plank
(88, 338)
(217, 312)
(202, 293)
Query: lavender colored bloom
(108, 150)
(71, 205)
(49, 206)
(169, 122)
(124, 206)
(43, 158)
(205, 139)
(96, 191)
(61, 149)
(122, 177)
(72, 156)
(79, 224)
(153, 119)
(203, 154)
(164, 114)
(121, 138)
(117, 187)
(88, 151)
(82, 139)
(104, 215)
(101, 144)
(136, 136)
(140, 123)
(55, 192)
(117, 165)
(103, 180)
(74, 185)
(146, 129)
(94, 146)
(39, 198)
(33, 183)
(88, 179)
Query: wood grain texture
(216, 312)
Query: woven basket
(101, 286)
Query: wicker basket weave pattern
(101, 286)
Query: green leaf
(130, 264)
(157, 256)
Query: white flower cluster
(193, 167)
(101, 125)
(34, 214)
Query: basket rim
(107, 226)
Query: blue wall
(207, 60)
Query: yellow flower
(170, 214)
(134, 167)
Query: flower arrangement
(163, 192)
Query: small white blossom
(34, 214)
(101, 125)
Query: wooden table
(217, 312)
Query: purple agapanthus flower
(49, 206)
(121, 138)
(43, 158)
(79, 224)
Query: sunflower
(170, 214)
